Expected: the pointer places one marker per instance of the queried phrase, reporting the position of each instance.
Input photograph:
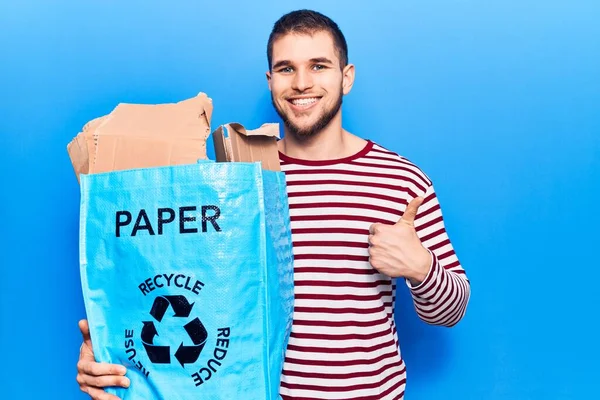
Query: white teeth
(304, 102)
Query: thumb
(411, 211)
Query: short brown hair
(308, 22)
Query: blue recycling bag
(187, 278)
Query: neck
(332, 142)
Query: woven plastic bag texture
(187, 278)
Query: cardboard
(234, 143)
(89, 135)
(143, 136)
(79, 156)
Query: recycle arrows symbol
(198, 334)
(156, 354)
(195, 329)
(179, 303)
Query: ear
(348, 78)
(268, 74)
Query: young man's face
(307, 82)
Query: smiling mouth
(304, 102)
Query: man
(362, 217)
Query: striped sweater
(344, 343)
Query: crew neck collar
(368, 146)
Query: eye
(319, 67)
(286, 70)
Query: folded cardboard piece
(235, 143)
(154, 135)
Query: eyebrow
(282, 63)
(317, 60)
(321, 60)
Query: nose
(302, 81)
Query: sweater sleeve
(442, 298)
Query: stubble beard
(305, 133)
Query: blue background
(498, 101)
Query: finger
(85, 332)
(373, 260)
(373, 228)
(411, 211)
(86, 353)
(99, 394)
(98, 369)
(374, 241)
(103, 381)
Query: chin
(304, 131)
(310, 124)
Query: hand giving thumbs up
(396, 250)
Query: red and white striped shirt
(344, 343)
